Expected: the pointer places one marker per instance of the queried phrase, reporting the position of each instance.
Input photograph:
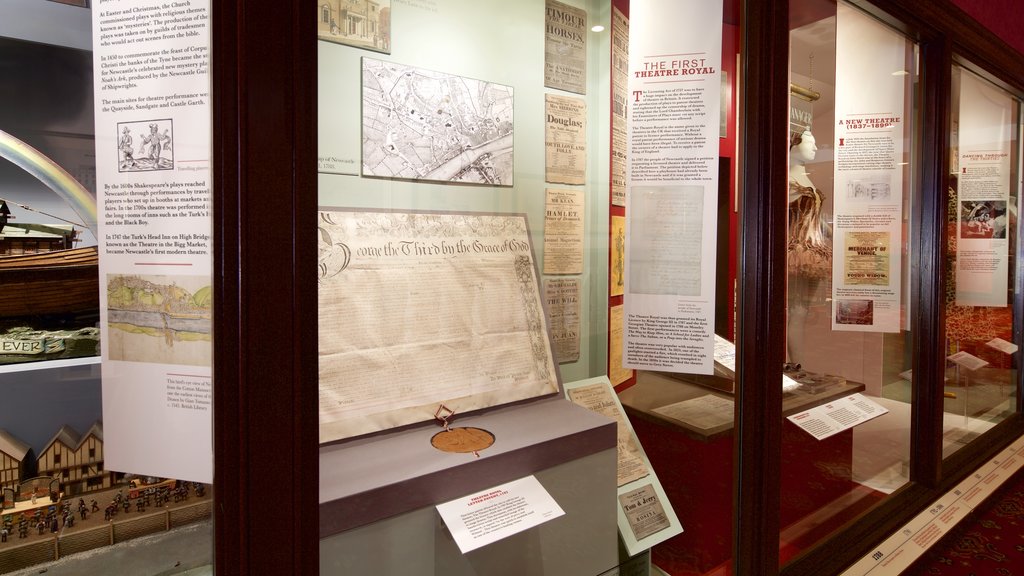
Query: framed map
(424, 125)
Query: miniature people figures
(95, 506)
(3, 534)
(810, 244)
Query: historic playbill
(565, 139)
(420, 309)
(565, 47)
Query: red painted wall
(1003, 17)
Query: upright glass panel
(62, 501)
(453, 133)
(684, 415)
(846, 407)
(984, 183)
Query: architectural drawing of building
(362, 23)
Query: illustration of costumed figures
(154, 143)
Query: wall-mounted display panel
(981, 239)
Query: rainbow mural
(53, 176)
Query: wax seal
(462, 440)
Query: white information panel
(153, 144)
(983, 193)
(869, 162)
(674, 100)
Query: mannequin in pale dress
(809, 249)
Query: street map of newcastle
(424, 125)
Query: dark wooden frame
(265, 313)
(266, 442)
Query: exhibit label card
(563, 231)
(672, 185)
(983, 193)
(967, 360)
(1002, 345)
(421, 309)
(153, 160)
(832, 418)
(565, 139)
(491, 515)
(562, 296)
(565, 47)
(869, 173)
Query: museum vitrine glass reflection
(851, 191)
(980, 386)
(447, 142)
(438, 128)
(62, 498)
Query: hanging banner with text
(674, 100)
(983, 193)
(869, 164)
(153, 141)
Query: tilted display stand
(377, 496)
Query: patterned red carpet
(990, 541)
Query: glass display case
(665, 283)
(491, 255)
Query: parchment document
(565, 47)
(563, 232)
(598, 398)
(565, 139)
(616, 372)
(563, 299)
(667, 232)
(422, 309)
(617, 277)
